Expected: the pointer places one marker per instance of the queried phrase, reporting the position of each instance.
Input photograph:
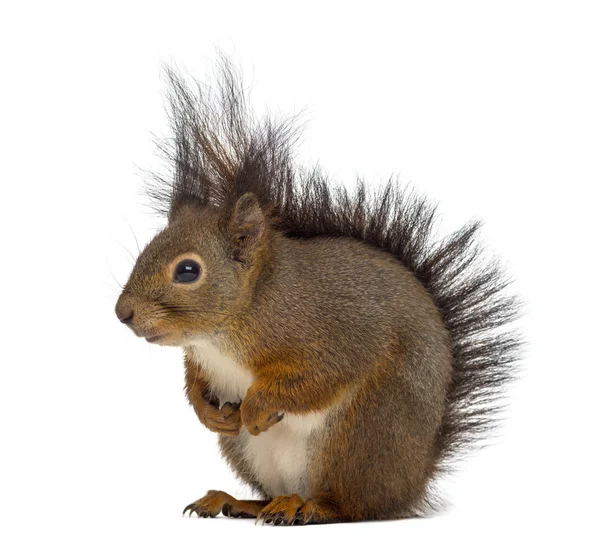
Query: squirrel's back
(343, 288)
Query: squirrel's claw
(216, 502)
(281, 511)
(199, 510)
(293, 510)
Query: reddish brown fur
(306, 360)
(332, 305)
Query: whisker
(135, 238)
(114, 278)
(128, 252)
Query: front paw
(257, 416)
(226, 420)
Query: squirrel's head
(197, 274)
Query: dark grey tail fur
(220, 152)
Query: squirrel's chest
(228, 379)
(280, 458)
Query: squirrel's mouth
(153, 339)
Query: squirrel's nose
(125, 309)
(125, 316)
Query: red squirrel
(343, 356)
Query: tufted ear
(183, 205)
(247, 226)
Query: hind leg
(216, 502)
(378, 460)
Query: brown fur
(327, 341)
(323, 316)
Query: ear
(247, 227)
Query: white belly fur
(280, 456)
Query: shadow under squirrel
(343, 357)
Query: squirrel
(344, 357)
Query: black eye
(187, 271)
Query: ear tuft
(182, 206)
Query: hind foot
(216, 502)
(293, 510)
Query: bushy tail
(470, 292)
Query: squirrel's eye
(186, 271)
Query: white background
(491, 108)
